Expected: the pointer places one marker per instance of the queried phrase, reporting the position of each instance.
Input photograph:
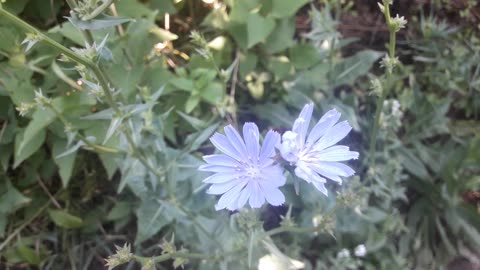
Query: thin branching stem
(386, 84)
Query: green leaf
(6, 152)
(351, 68)
(217, 18)
(65, 163)
(191, 103)
(29, 148)
(258, 28)
(12, 199)
(3, 224)
(200, 137)
(133, 8)
(120, 210)
(28, 254)
(196, 123)
(303, 55)
(15, 6)
(163, 6)
(412, 163)
(280, 66)
(42, 117)
(182, 84)
(65, 220)
(109, 164)
(240, 33)
(213, 93)
(150, 219)
(248, 62)
(286, 8)
(281, 37)
(101, 21)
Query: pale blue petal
(338, 168)
(321, 187)
(229, 197)
(221, 177)
(327, 171)
(333, 135)
(273, 176)
(243, 198)
(274, 196)
(251, 136)
(221, 143)
(221, 188)
(268, 147)
(336, 153)
(303, 121)
(256, 197)
(304, 171)
(222, 160)
(236, 141)
(326, 122)
(217, 168)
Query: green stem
(386, 84)
(25, 224)
(168, 256)
(317, 228)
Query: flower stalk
(389, 62)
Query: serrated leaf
(65, 220)
(101, 21)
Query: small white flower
(272, 262)
(344, 253)
(360, 250)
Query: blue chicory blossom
(246, 171)
(316, 156)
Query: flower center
(252, 171)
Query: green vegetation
(106, 108)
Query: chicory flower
(315, 155)
(246, 171)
